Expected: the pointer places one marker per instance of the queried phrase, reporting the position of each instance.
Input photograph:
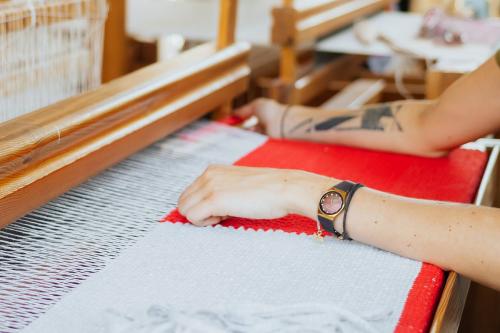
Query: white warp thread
(53, 249)
(54, 52)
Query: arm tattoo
(304, 123)
(375, 118)
(332, 122)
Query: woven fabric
(455, 177)
(53, 249)
(224, 272)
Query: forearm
(391, 126)
(467, 110)
(463, 238)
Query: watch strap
(345, 186)
(328, 226)
(350, 194)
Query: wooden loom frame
(45, 153)
(295, 28)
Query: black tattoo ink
(371, 119)
(332, 123)
(301, 125)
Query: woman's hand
(255, 193)
(269, 114)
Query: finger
(204, 211)
(196, 185)
(259, 128)
(210, 174)
(189, 191)
(188, 202)
(212, 221)
(246, 111)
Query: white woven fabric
(222, 271)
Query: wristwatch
(332, 203)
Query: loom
(51, 50)
(295, 27)
(299, 27)
(84, 183)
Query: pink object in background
(448, 29)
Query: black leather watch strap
(328, 226)
(350, 194)
(345, 186)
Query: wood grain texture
(309, 86)
(336, 18)
(45, 153)
(116, 51)
(438, 81)
(449, 312)
(26, 140)
(356, 94)
(295, 25)
(226, 37)
(481, 310)
(451, 305)
(41, 13)
(307, 9)
(288, 65)
(227, 23)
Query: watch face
(331, 203)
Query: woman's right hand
(268, 112)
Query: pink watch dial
(331, 203)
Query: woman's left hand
(256, 193)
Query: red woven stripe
(452, 178)
(422, 300)
(291, 223)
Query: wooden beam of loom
(356, 94)
(225, 37)
(227, 23)
(45, 153)
(116, 51)
(43, 13)
(310, 85)
(292, 26)
(295, 25)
